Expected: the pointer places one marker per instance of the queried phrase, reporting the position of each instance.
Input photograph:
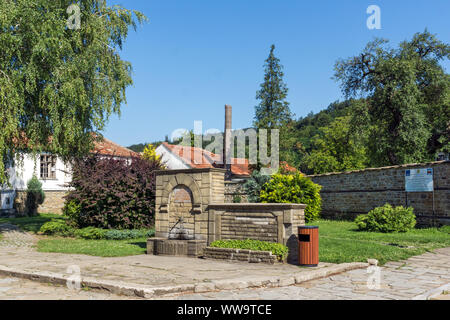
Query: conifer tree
(273, 111)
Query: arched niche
(184, 181)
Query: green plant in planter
(35, 195)
(278, 249)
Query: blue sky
(193, 57)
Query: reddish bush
(112, 193)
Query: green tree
(297, 137)
(336, 149)
(293, 188)
(407, 94)
(273, 111)
(58, 85)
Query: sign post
(419, 180)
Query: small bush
(57, 228)
(237, 199)
(35, 195)
(72, 210)
(277, 249)
(445, 229)
(294, 188)
(387, 219)
(91, 233)
(128, 234)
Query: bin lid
(308, 227)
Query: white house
(54, 175)
(177, 157)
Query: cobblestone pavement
(399, 280)
(143, 270)
(19, 289)
(13, 237)
(405, 280)
(413, 278)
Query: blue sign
(419, 180)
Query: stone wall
(53, 203)
(239, 255)
(205, 185)
(198, 197)
(273, 222)
(345, 195)
(234, 190)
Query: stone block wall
(273, 222)
(206, 186)
(239, 255)
(53, 203)
(198, 197)
(345, 195)
(234, 189)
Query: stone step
(7, 213)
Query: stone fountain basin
(169, 247)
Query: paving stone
(400, 280)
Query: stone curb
(433, 293)
(152, 292)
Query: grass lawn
(340, 241)
(100, 248)
(31, 224)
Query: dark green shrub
(277, 249)
(35, 195)
(387, 219)
(253, 186)
(57, 228)
(91, 233)
(294, 188)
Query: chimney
(227, 142)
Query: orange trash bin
(308, 246)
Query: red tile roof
(200, 158)
(103, 147)
(109, 148)
(285, 167)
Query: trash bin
(308, 246)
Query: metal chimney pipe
(227, 142)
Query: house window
(48, 167)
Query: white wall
(171, 161)
(7, 199)
(24, 170)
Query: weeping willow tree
(61, 75)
